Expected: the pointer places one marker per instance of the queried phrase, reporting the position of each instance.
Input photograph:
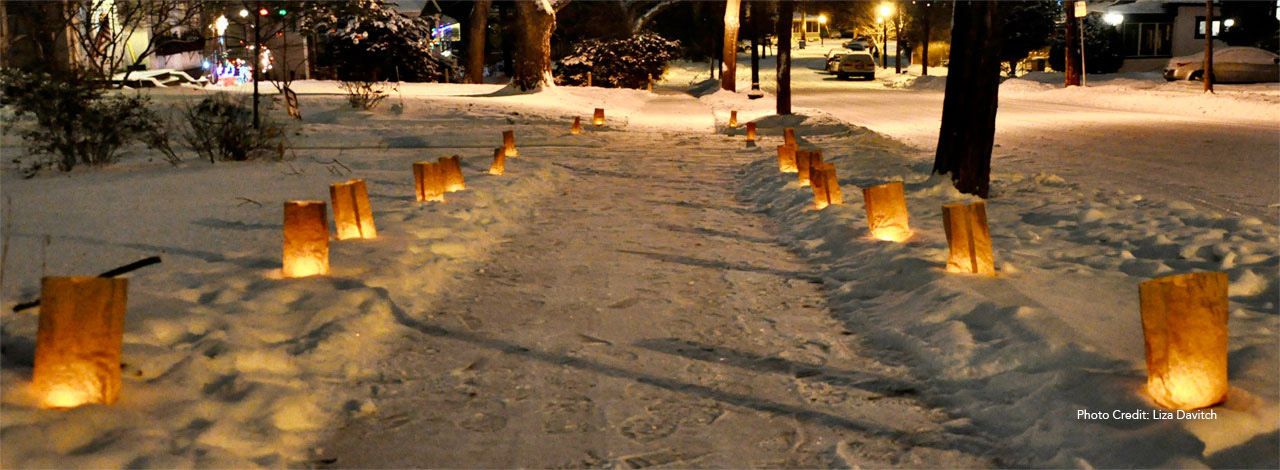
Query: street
(1224, 163)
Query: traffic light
(263, 12)
(282, 12)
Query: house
(1152, 31)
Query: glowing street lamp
(1113, 19)
(885, 11)
(220, 25)
(822, 21)
(1229, 22)
(244, 13)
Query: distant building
(1152, 31)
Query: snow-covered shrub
(379, 43)
(365, 95)
(621, 63)
(76, 121)
(220, 127)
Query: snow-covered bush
(220, 127)
(76, 121)
(621, 63)
(379, 43)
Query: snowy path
(646, 318)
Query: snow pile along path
(646, 317)
(226, 365)
(1018, 356)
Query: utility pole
(257, 60)
(1208, 46)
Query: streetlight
(1229, 22)
(885, 10)
(244, 13)
(822, 21)
(1113, 19)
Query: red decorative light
(263, 12)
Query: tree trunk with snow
(782, 29)
(1208, 46)
(1072, 50)
(533, 44)
(731, 22)
(969, 105)
(476, 37)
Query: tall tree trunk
(782, 29)
(969, 105)
(533, 47)
(728, 76)
(924, 45)
(897, 39)
(507, 34)
(1072, 50)
(1208, 46)
(755, 63)
(476, 37)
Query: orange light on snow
(787, 158)
(428, 182)
(577, 126)
(733, 119)
(598, 118)
(499, 162)
(1184, 327)
(78, 341)
(751, 132)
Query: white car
(1230, 65)
(857, 63)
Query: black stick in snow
(139, 264)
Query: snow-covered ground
(668, 337)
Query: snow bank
(226, 365)
(1016, 357)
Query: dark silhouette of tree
(969, 105)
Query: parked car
(833, 59)
(857, 63)
(1230, 65)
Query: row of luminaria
(1184, 317)
(81, 324)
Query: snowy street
(1225, 161)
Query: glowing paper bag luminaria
(78, 341)
(1184, 325)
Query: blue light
(205, 64)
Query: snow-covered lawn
(227, 365)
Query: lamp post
(885, 10)
(822, 21)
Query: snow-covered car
(1230, 65)
(857, 63)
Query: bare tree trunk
(1072, 50)
(969, 105)
(728, 76)
(782, 29)
(476, 37)
(533, 47)
(506, 18)
(1208, 46)
(897, 38)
